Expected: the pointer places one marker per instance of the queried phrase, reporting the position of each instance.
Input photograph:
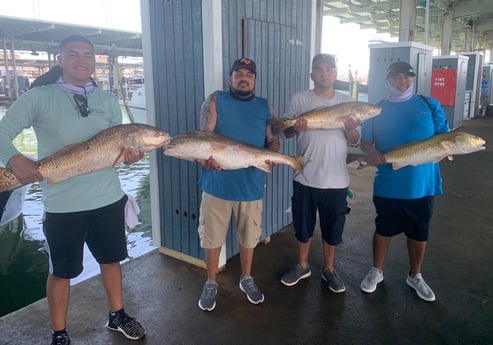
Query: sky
(125, 15)
(351, 48)
(113, 14)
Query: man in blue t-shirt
(403, 198)
(239, 115)
(485, 89)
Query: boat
(11, 203)
(136, 106)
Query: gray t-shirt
(326, 148)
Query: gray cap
(327, 58)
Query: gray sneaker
(207, 300)
(422, 289)
(295, 274)
(251, 290)
(369, 284)
(334, 282)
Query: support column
(15, 91)
(213, 58)
(6, 67)
(468, 39)
(407, 20)
(446, 33)
(212, 49)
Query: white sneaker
(369, 284)
(422, 289)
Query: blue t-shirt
(244, 121)
(485, 85)
(401, 123)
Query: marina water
(23, 261)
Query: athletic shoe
(60, 339)
(129, 326)
(251, 290)
(295, 274)
(369, 284)
(207, 301)
(334, 282)
(422, 289)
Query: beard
(242, 93)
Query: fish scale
(229, 154)
(329, 117)
(434, 149)
(104, 150)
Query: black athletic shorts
(331, 205)
(410, 216)
(102, 229)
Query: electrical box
(473, 83)
(382, 55)
(448, 85)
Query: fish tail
(279, 125)
(299, 164)
(8, 181)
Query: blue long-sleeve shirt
(402, 123)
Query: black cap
(400, 67)
(327, 58)
(243, 63)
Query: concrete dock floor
(162, 292)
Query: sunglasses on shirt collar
(82, 104)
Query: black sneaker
(60, 339)
(121, 322)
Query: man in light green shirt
(66, 108)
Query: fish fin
(264, 167)
(439, 159)
(117, 159)
(54, 180)
(448, 145)
(396, 166)
(217, 146)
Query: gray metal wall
(176, 39)
(177, 67)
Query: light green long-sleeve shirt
(56, 121)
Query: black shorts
(331, 205)
(103, 230)
(410, 216)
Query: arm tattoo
(208, 114)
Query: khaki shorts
(215, 217)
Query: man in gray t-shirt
(323, 186)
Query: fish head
(468, 143)
(365, 111)
(145, 138)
